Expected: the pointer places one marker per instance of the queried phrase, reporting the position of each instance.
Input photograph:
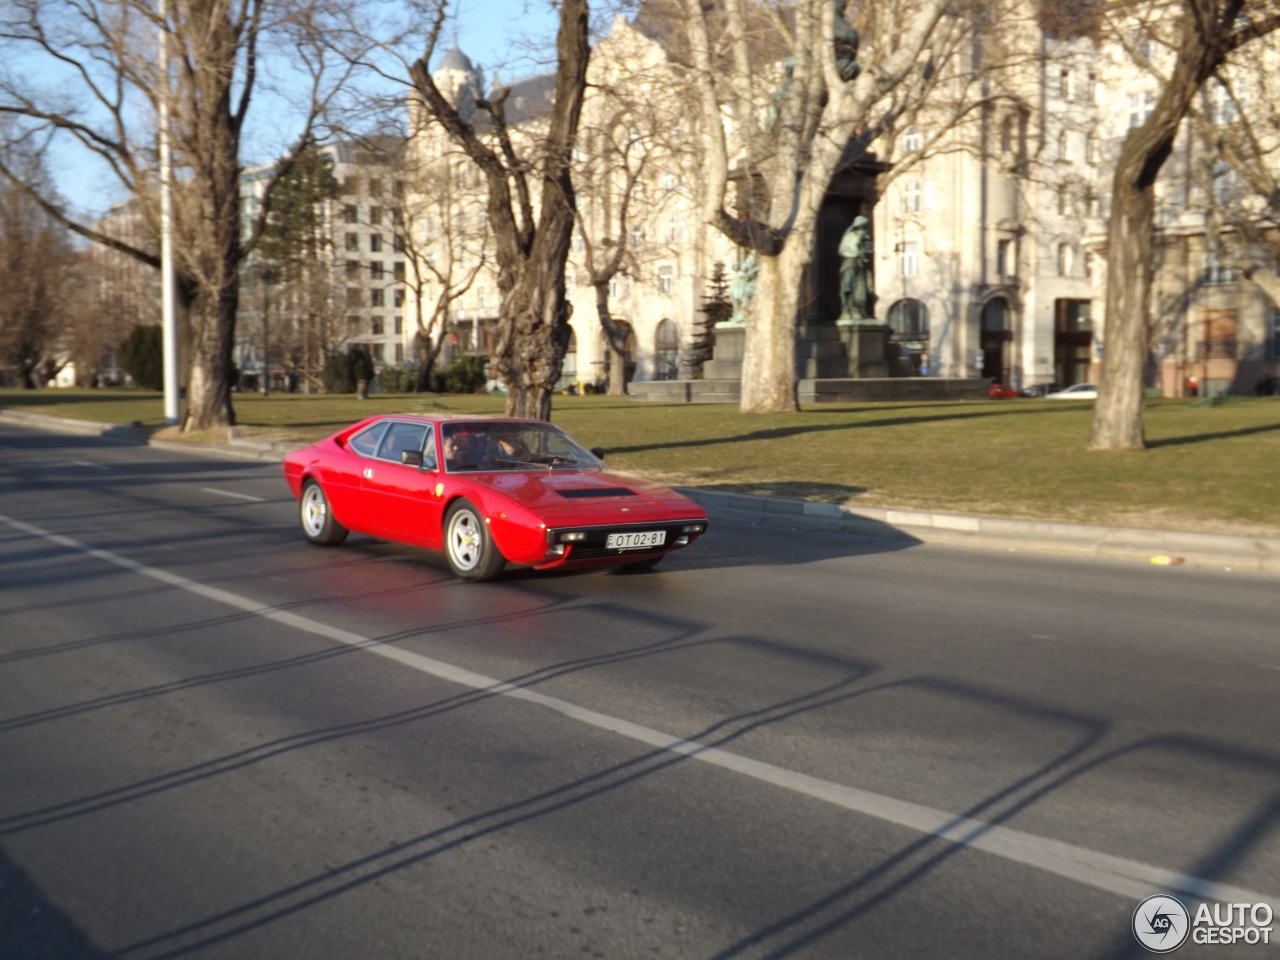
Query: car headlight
(573, 536)
(693, 528)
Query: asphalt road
(219, 741)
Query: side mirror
(598, 452)
(412, 458)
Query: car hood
(596, 495)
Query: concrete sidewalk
(1164, 547)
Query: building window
(1091, 152)
(1063, 200)
(350, 213)
(375, 216)
(666, 351)
(353, 241)
(911, 140)
(376, 271)
(350, 186)
(637, 234)
(1064, 145)
(1140, 107)
(912, 196)
(397, 243)
(909, 258)
(375, 351)
(1005, 266)
(399, 326)
(1226, 185)
(375, 187)
(375, 326)
(353, 296)
(399, 353)
(1066, 258)
(1215, 272)
(375, 242)
(352, 269)
(377, 298)
(1066, 84)
(397, 271)
(397, 299)
(666, 280)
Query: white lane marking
(1128, 878)
(238, 496)
(86, 463)
(1270, 666)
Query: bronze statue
(856, 287)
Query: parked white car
(1077, 391)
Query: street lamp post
(169, 328)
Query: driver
(460, 448)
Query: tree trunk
(615, 343)
(1208, 32)
(768, 361)
(213, 337)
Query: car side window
(401, 437)
(365, 442)
(429, 461)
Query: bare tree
(443, 226)
(530, 239)
(38, 284)
(1202, 36)
(782, 136)
(107, 92)
(632, 153)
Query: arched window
(909, 331)
(909, 319)
(628, 337)
(666, 351)
(569, 369)
(995, 315)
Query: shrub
(343, 371)
(464, 375)
(142, 356)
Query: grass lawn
(1211, 468)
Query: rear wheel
(318, 524)
(467, 545)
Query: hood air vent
(580, 493)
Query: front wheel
(318, 524)
(467, 544)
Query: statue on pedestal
(742, 287)
(856, 288)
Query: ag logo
(1161, 923)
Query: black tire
(468, 547)
(316, 517)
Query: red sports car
(486, 491)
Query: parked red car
(488, 492)
(1000, 391)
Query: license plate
(632, 541)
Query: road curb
(1222, 551)
(1164, 547)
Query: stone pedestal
(867, 347)
(726, 357)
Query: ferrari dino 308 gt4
(488, 492)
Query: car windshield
(517, 445)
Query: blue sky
(508, 36)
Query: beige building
(989, 244)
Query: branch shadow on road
(791, 932)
